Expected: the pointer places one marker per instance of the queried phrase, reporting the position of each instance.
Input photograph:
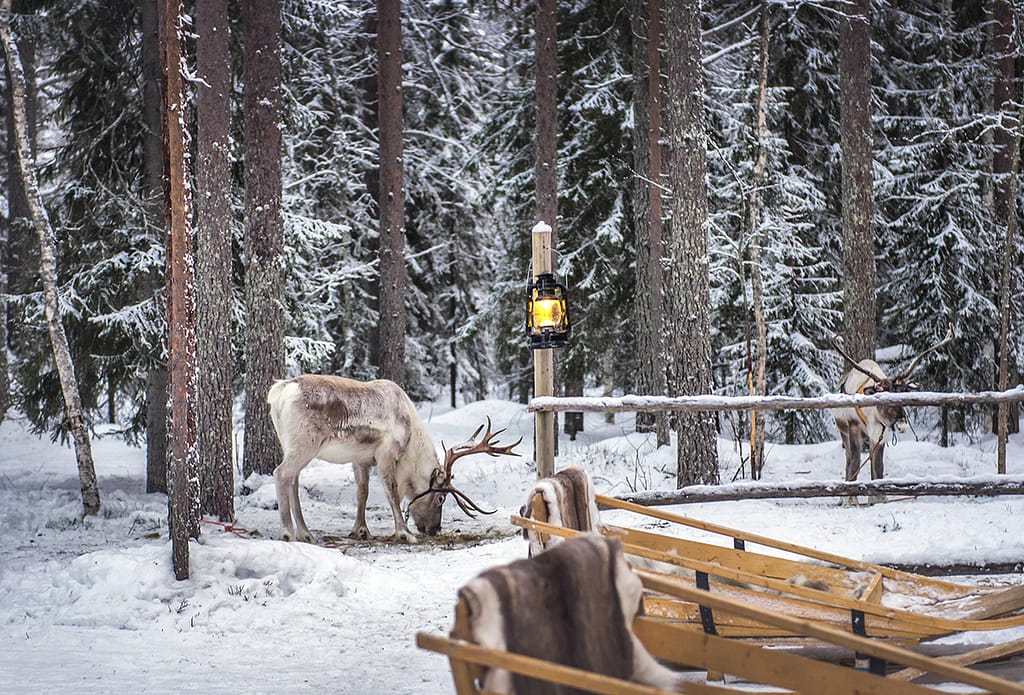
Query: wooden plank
(551, 672)
(762, 565)
(976, 656)
(763, 665)
(464, 673)
(730, 625)
(922, 624)
(873, 592)
(995, 604)
(808, 628)
(769, 542)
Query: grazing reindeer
(366, 423)
(863, 428)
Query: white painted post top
(541, 227)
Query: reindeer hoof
(285, 535)
(360, 534)
(306, 537)
(406, 537)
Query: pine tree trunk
(546, 154)
(756, 283)
(182, 460)
(858, 199)
(392, 196)
(688, 299)
(48, 270)
(213, 257)
(647, 208)
(546, 54)
(264, 241)
(1005, 164)
(153, 161)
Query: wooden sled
(846, 593)
(676, 644)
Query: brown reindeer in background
(866, 428)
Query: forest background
(943, 137)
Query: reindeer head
(425, 508)
(892, 416)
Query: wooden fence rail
(648, 404)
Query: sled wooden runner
(746, 576)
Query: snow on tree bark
(759, 385)
(182, 460)
(393, 278)
(1005, 166)
(48, 270)
(688, 302)
(213, 258)
(857, 195)
(264, 242)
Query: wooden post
(543, 364)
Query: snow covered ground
(92, 604)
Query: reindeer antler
(906, 372)
(486, 445)
(853, 362)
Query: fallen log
(983, 486)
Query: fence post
(543, 364)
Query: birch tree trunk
(392, 194)
(48, 271)
(182, 460)
(688, 300)
(14, 232)
(858, 199)
(756, 283)
(264, 235)
(213, 257)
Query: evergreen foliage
(469, 171)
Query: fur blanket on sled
(573, 604)
(566, 499)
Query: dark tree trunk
(1005, 164)
(858, 200)
(687, 283)
(264, 239)
(213, 257)
(153, 159)
(545, 51)
(182, 460)
(392, 197)
(73, 411)
(546, 154)
(647, 209)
